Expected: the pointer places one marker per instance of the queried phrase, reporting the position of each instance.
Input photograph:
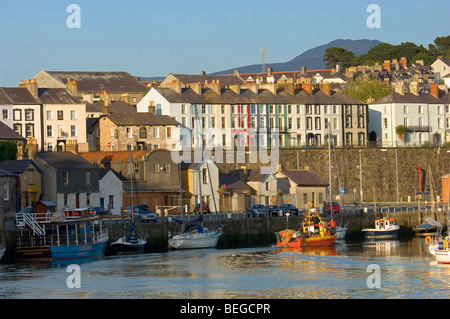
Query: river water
(353, 270)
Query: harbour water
(349, 270)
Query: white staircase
(28, 221)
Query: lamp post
(287, 220)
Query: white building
(111, 192)
(422, 115)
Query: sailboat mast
(329, 166)
(131, 183)
(199, 149)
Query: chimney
(399, 88)
(404, 62)
(176, 86)
(236, 72)
(106, 108)
(202, 73)
(269, 71)
(72, 86)
(31, 86)
(414, 88)
(307, 87)
(196, 87)
(151, 107)
(387, 64)
(304, 70)
(326, 88)
(215, 86)
(236, 88)
(434, 90)
(252, 87)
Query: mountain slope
(311, 59)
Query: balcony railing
(417, 128)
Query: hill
(311, 59)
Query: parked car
(256, 210)
(275, 211)
(145, 215)
(98, 211)
(336, 208)
(136, 209)
(289, 208)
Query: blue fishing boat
(61, 235)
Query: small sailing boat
(428, 228)
(439, 249)
(129, 244)
(313, 233)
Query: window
(60, 115)
(405, 109)
(290, 123)
(73, 130)
(49, 115)
(309, 123)
(142, 132)
(348, 110)
(360, 121)
(334, 109)
(17, 115)
(348, 122)
(66, 201)
(420, 122)
(317, 123)
(6, 191)
(5, 114)
(305, 198)
(316, 109)
(289, 109)
(360, 110)
(267, 186)
(111, 201)
(29, 130)
(299, 123)
(88, 199)
(49, 147)
(156, 132)
(73, 115)
(129, 132)
(420, 109)
(169, 132)
(360, 139)
(205, 176)
(385, 123)
(88, 178)
(156, 168)
(308, 109)
(65, 178)
(349, 139)
(18, 128)
(49, 131)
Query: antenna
(263, 59)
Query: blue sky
(155, 38)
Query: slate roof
(19, 95)
(305, 178)
(112, 82)
(232, 182)
(65, 160)
(226, 79)
(136, 119)
(18, 166)
(4, 99)
(254, 175)
(116, 106)
(4, 173)
(58, 96)
(7, 133)
(395, 97)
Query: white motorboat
(341, 232)
(204, 238)
(439, 249)
(385, 228)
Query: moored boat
(439, 249)
(60, 235)
(429, 228)
(312, 234)
(194, 235)
(385, 228)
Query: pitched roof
(135, 119)
(58, 96)
(232, 182)
(18, 166)
(20, 95)
(254, 175)
(100, 158)
(65, 160)
(395, 97)
(120, 82)
(4, 172)
(7, 133)
(305, 178)
(4, 99)
(116, 106)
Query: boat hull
(341, 232)
(309, 242)
(442, 256)
(124, 246)
(188, 241)
(39, 253)
(78, 251)
(379, 234)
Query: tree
(400, 131)
(365, 90)
(8, 151)
(441, 46)
(335, 55)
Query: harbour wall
(380, 169)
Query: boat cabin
(384, 223)
(76, 212)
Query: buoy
(428, 240)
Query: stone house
(156, 180)
(265, 186)
(306, 186)
(95, 86)
(68, 180)
(137, 131)
(29, 182)
(235, 194)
